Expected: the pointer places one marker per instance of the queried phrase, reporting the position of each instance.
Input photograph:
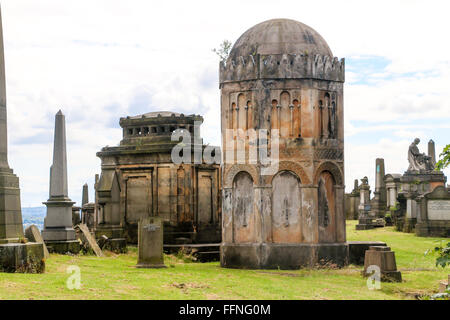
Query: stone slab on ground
(88, 239)
(357, 250)
(22, 257)
(33, 235)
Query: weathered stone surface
(150, 244)
(33, 235)
(22, 257)
(382, 257)
(89, 240)
(357, 250)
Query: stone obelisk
(58, 232)
(85, 196)
(432, 151)
(15, 254)
(11, 228)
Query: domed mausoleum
(282, 91)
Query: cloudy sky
(104, 59)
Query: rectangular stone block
(150, 243)
(22, 258)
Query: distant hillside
(34, 215)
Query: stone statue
(365, 181)
(418, 161)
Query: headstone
(433, 218)
(150, 243)
(32, 234)
(89, 240)
(14, 255)
(384, 259)
(58, 232)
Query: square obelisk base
(22, 257)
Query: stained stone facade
(140, 180)
(281, 76)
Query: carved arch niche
(326, 188)
(286, 208)
(244, 218)
(328, 115)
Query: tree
(224, 50)
(444, 160)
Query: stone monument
(384, 259)
(282, 111)
(352, 202)
(150, 243)
(365, 220)
(15, 254)
(420, 178)
(433, 216)
(58, 233)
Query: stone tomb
(433, 217)
(384, 258)
(150, 243)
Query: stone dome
(279, 36)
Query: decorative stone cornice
(283, 66)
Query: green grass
(115, 277)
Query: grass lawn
(115, 277)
